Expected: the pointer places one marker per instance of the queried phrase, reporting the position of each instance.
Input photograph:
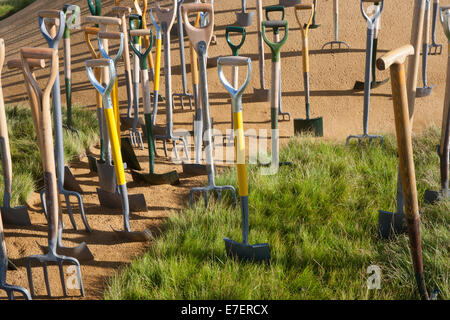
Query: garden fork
(434, 48)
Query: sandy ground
(332, 79)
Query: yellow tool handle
(115, 100)
(158, 64)
(194, 62)
(115, 146)
(239, 142)
(305, 54)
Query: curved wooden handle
(234, 61)
(121, 10)
(109, 35)
(38, 53)
(396, 56)
(97, 63)
(103, 20)
(48, 14)
(195, 34)
(2, 54)
(33, 63)
(140, 32)
(166, 15)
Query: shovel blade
(156, 179)
(314, 126)
(424, 91)
(134, 236)
(431, 197)
(81, 252)
(92, 163)
(194, 169)
(359, 86)
(289, 3)
(70, 182)
(17, 216)
(244, 19)
(128, 155)
(261, 95)
(247, 252)
(113, 200)
(106, 176)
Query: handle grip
(166, 16)
(95, 9)
(73, 22)
(397, 56)
(92, 31)
(142, 56)
(235, 48)
(375, 16)
(37, 53)
(110, 35)
(234, 61)
(197, 35)
(105, 91)
(48, 13)
(274, 9)
(275, 47)
(33, 63)
(97, 63)
(300, 7)
(103, 20)
(121, 10)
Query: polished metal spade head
(247, 252)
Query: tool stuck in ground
(444, 147)
(371, 23)
(152, 177)
(119, 173)
(311, 125)
(276, 38)
(234, 71)
(41, 115)
(391, 224)
(10, 215)
(67, 184)
(426, 90)
(394, 60)
(275, 87)
(242, 251)
(166, 18)
(371, 12)
(244, 18)
(336, 40)
(289, 3)
(200, 39)
(185, 93)
(135, 135)
(260, 94)
(72, 13)
(434, 47)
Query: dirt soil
(332, 78)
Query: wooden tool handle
(308, 6)
(2, 55)
(197, 35)
(166, 15)
(48, 14)
(103, 20)
(234, 61)
(139, 32)
(121, 10)
(371, 1)
(397, 56)
(91, 30)
(97, 63)
(109, 35)
(33, 63)
(37, 53)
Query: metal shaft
(260, 44)
(369, 53)
(181, 44)
(168, 82)
(336, 19)
(274, 98)
(433, 27)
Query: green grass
(9, 7)
(320, 219)
(26, 159)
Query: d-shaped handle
(110, 35)
(397, 56)
(204, 33)
(142, 56)
(105, 91)
(275, 47)
(166, 16)
(73, 22)
(95, 8)
(372, 21)
(232, 29)
(445, 20)
(52, 14)
(274, 9)
(135, 22)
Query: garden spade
(244, 18)
(426, 89)
(166, 18)
(261, 94)
(276, 38)
(371, 24)
(443, 150)
(394, 60)
(274, 92)
(313, 125)
(235, 53)
(289, 3)
(242, 251)
(67, 184)
(152, 177)
(17, 215)
(313, 23)
(435, 48)
(359, 86)
(41, 115)
(336, 40)
(200, 39)
(72, 13)
(119, 173)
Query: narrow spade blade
(247, 252)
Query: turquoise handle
(235, 48)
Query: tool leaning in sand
(444, 147)
(119, 172)
(426, 90)
(185, 93)
(67, 184)
(200, 39)
(276, 38)
(336, 40)
(10, 215)
(151, 178)
(41, 115)
(275, 87)
(434, 47)
(359, 85)
(371, 22)
(72, 13)
(242, 251)
(310, 125)
(166, 18)
(261, 94)
(244, 18)
(395, 61)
